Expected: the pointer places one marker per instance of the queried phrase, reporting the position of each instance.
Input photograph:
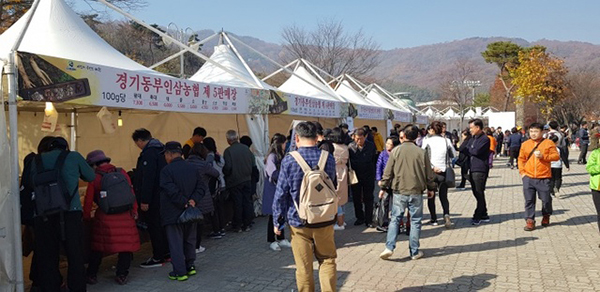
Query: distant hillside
(417, 69)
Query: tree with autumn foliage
(541, 78)
(11, 11)
(506, 56)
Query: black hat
(173, 146)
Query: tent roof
(56, 30)
(298, 86)
(376, 97)
(346, 91)
(224, 55)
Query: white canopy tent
(367, 112)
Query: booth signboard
(312, 107)
(370, 112)
(422, 119)
(404, 117)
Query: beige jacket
(341, 155)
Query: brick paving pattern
(499, 256)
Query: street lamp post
(180, 35)
(472, 84)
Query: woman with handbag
(382, 160)
(463, 159)
(342, 158)
(441, 152)
(217, 189)
(271, 173)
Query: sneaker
(222, 232)
(386, 254)
(200, 249)
(121, 280)
(383, 229)
(236, 230)
(152, 263)
(447, 223)
(91, 280)
(275, 246)
(191, 271)
(359, 222)
(530, 225)
(247, 228)
(546, 220)
(475, 222)
(338, 228)
(461, 189)
(215, 235)
(432, 222)
(369, 225)
(285, 243)
(174, 276)
(485, 220)
(417, 256)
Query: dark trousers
(362, 193)
(199, 228)
(160, 248)
(556, 180)
(584, 148)
(464, 176)
(216, 218)
(443, 194)
(271, 236)
(531, 186)
(123, 263)
(478, 181)
(182, 242)
(242, 205)
(514, 155)
(48, 239)
(596, 198)
(388, 202)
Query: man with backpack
(55, 181)
(308, 178)
(113, 224)
(147, 189)
(535, 160)
(408, 173)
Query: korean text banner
(370, 112)
(43, 78)
(292, 104)
(404, 117)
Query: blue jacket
(515, 140)
(179, 182)
(381, 163)
(479, 152)
(147, 173)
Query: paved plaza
(499, 256)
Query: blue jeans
(414, 203)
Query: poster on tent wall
(404, 117)
(370, 112)
(44, 78)
(422, 119)
(293, 104)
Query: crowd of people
(300, 174)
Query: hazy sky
(393, 24)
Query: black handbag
(450, 175)
(190, 215)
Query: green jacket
(408, 171)
(593, 168)
(74, 168)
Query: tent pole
(194, 46)
(74, 130)
(235, 51)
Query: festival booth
(394, 115)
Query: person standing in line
(464, 159)
(534, 166)
(322, 142)
(382, 161)
(342, 156)
(479, 154)
(557, 173)
(217, 189)
(363, 157)
(271, 174)
(408, 174)
(147, 189)
(584, 141)
(181, 187)
(206, 172)
(239, 164)
(593, 168)
(307, 242)
(378, 139)
(111, 233)
(440, 152)
(514, 143)
(197, 137)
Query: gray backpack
(116, 194)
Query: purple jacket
(381, 163)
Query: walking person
(116, 231)
(307, 242)
(206, 172)
(593, 168)
(584, 141)
(271, 173)
(514, 143)
(382, 161)
(363, 157)
(557, 167)
(341, 154)
(378, 139)
(181, 187)
(479, 168)
(217, 189)
(146, 186)
(239, 163)
(534, 166)
(493, 144)
(440, 152)
(64, 227)
(408, 175)
(464, 159)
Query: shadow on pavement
(579, 220)
(462, 283)
(477, 247)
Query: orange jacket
(493, 144)
(537, 167)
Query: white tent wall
(282, 123)
(7, 214)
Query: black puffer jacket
(206, 171)
(179, 182)
(147, 172)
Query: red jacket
(110, 233)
